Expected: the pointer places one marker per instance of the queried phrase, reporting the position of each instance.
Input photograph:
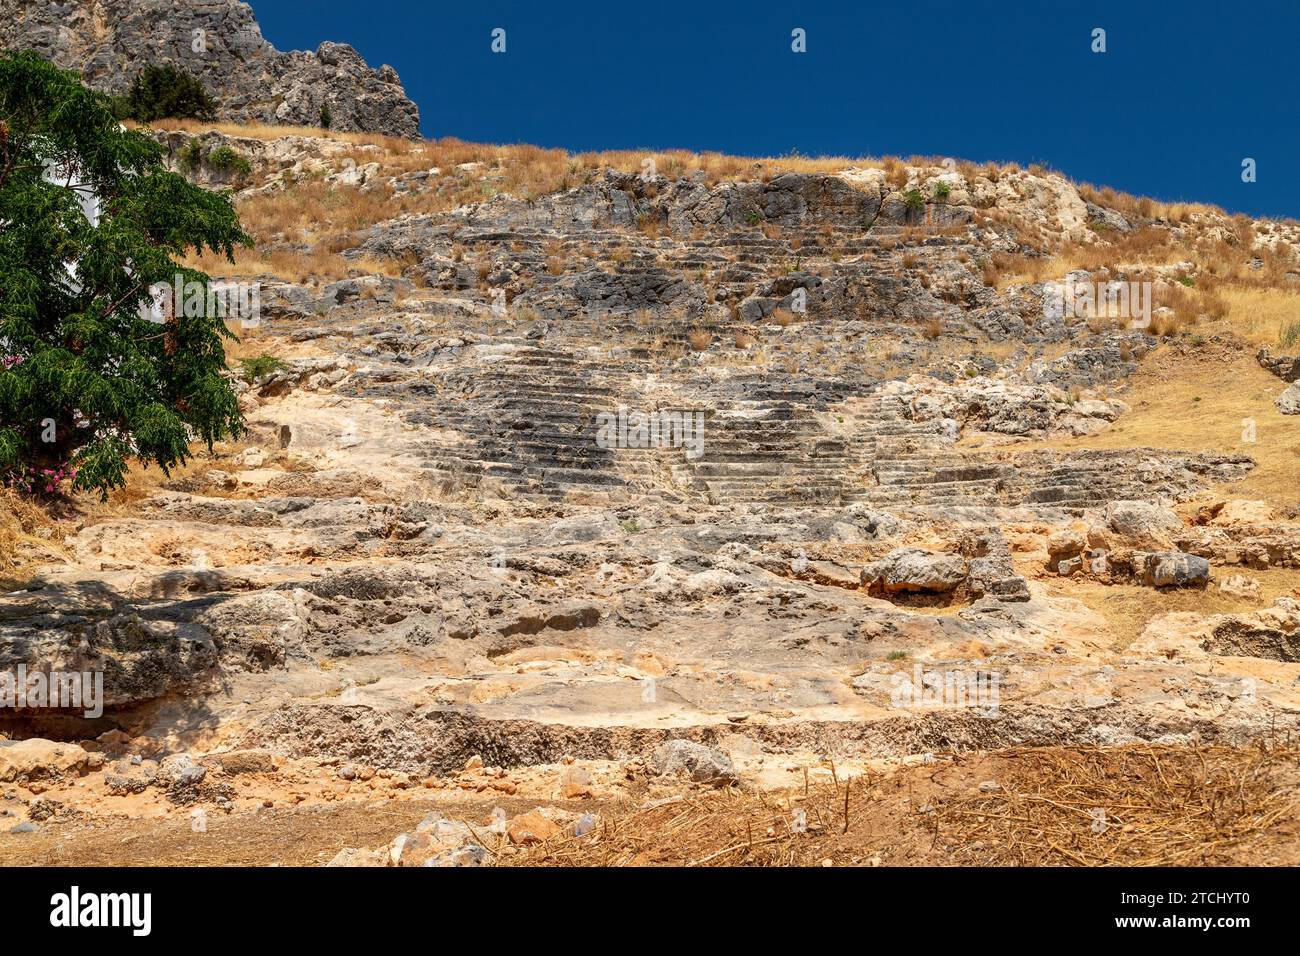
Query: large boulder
(1142, 524)
(1175, 569)
(35, 758)
(702, 764)
(915, 570)
(1288, 403)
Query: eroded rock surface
(109, 41)
(463, 542)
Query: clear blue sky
(1185, 91)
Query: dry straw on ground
(1141, 806)
(1131, 806)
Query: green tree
(165, 92)
(85, 381)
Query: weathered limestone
(219, 41)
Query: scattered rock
(35, 759)
(700, 763)
(1240, 586)
(1175, 569)
(1288, 403)
(529, 828)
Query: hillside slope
(904, 506)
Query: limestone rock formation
(620, 486)
(912, 569)
(219, 41)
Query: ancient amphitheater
(680, 509)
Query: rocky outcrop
(1271, 633)
(916, 571)
(1285, 367)
(219, 41)
(142, 652)
(1246, 533)
(985, 405)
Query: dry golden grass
(1144, 207)
(1264, 316)
(547, 167)
(1260, 306)
(1195, 399)
(29, 536)
(1149, 246)
(699, 339)
(264, 131)
(304, 268)
(1129, 608)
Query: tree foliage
(85, 381)
(165, 92)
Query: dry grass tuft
(1143, 207)
(1264, 316)
(29, 535)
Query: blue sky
(1184, 92)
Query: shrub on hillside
(226, 160)
(165, 92)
